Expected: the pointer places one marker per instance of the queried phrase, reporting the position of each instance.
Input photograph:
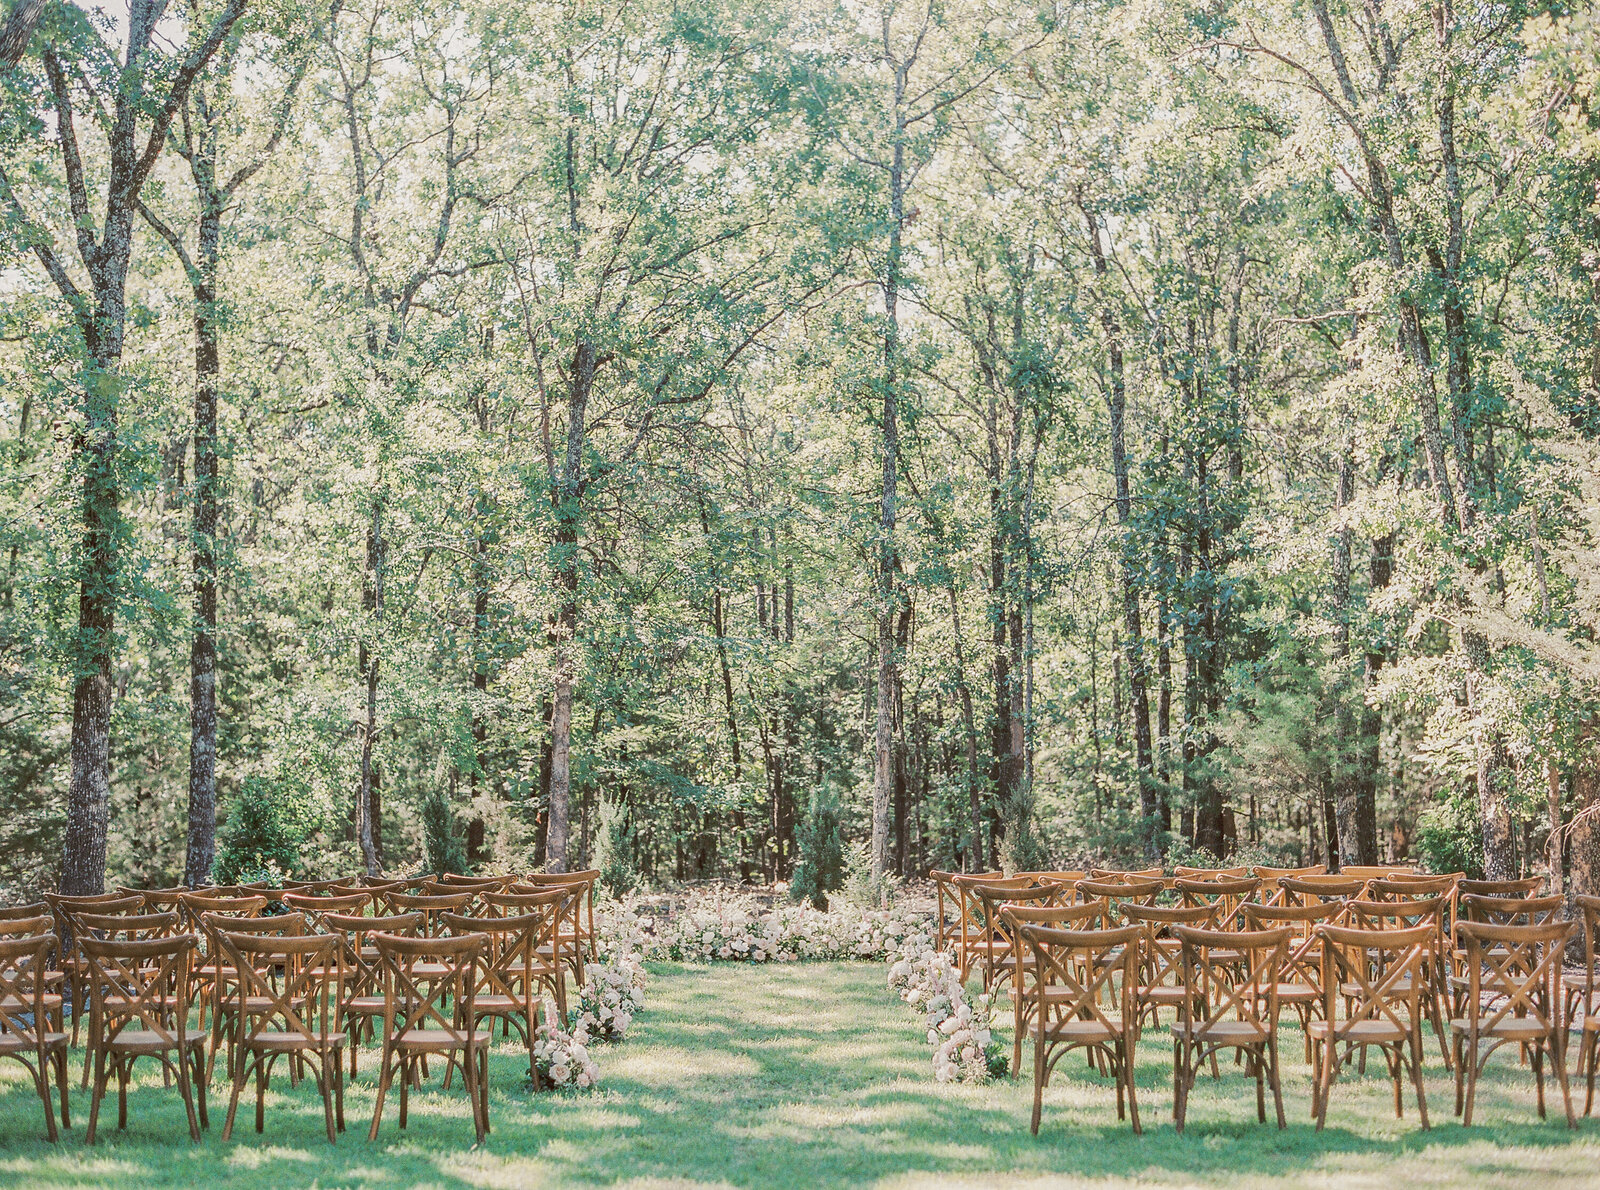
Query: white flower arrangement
(612, 995)
(959, 1027)
(562, 1058)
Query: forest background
(625, 432)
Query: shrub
(820, 842)
(445, 851)
(1450, 837)
(268, 828)
(613, 848)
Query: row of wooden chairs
(299, 973)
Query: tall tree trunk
(974, 850)
(1138, 678)
(369, 664)
(1346, 765)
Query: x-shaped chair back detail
(1521, 966)
(196, 906)
(284, 983)
(583, 883)
(1232, 975)
(429, 906)
(1084, 981)
(945, 899)
(1068, 880)
(316, 908)
(1160, 981)
(25, 1014)
(129, 927)
(1510, 911)
(999, 943)
(1226, 894)
(1272, 892)
(1318, 890)
(558, 908)
(1116, 893)
(972, 932)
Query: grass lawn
(811, 1075)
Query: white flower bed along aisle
(723, 926)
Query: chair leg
(1127, 1076)
(383, 1088)
(62, 1079)
(233, 1102)
(41, 1084)
(325, 1086)
(405, 1088)
(1538, 1077)
(1586, 1065)
(1416, 1074)
(1038, 1077)
(1558, 1061)
(124, 1068)
(186, 1091)
(101, 1077)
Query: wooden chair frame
(1299, 980)
(285, 1002)
(26, 1035)
(1387, 970)
(512, 970)
(1232, 1003)
(1087, 965)
(1401, 913)
(152, 982)
(1026, 996)
(1000, 948)
(415, 1022)
(1523, 964)
(361, 999)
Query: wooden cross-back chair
(317, 908)
(1225, 894)
(1116, 893)
(1404, 914)
(49, 976)
(582, 883)
(429, 906)
(139, 1008)
(1522, 964)
(453, 880)
(1377, 871)
(27, 1017)
(121, 927)
(1299, 982)
(221, 975)
(561, 949)
(1580, 991)
(946, 900)
(158, 900)
(314, 887)
(361, 997)
(1000, 943)
(374, 891)
(1160, 981)
(1381, 976)
(1066, 878)
(1074, 971)
(284, 1002)
(1231, 977)
(1026, 995)
(73, 964)
(972, 934)
(1139, 875)
(432, 1015)
(513, 969)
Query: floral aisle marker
(562, 1058)
(959, 1027)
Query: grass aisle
(811, 1075)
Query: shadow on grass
(799, 1075)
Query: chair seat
(286, 1042)
(1163, 993)
(1222, 1032)
(11, 1043)
(52, 1003)
(368, 1005)
(1076, 1030)
(1362, 1032)
(419, 1039)
(1514, 1028)
(149, 1041)
(1299, 993)
(503, 1004)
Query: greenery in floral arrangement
(820, 840)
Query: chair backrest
(1270, 876)
(1379, 974)
(361, 970)
(1589, 907)
(196, 905)
(19, 912)
(1400, 914)
(1226, 893)
(1521, 965)
(429, 907)
(1412, 888)
(1500, 888)
(317, 907)
(1209, 873)
(445, 1000)
(1314, 890)
(1302, 963)
(314, 886)
(511, 955)
(24, 959)
(150, 979)
(22, 927)
(1120, 892)
(284, 984)
(452, 880)
(1376, 871)
(944, 899)
(1231, 975)
(1139, 876)
(991, 897)
(1511, 911)
(1083, 969)
(129, 927)
(584, 881)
